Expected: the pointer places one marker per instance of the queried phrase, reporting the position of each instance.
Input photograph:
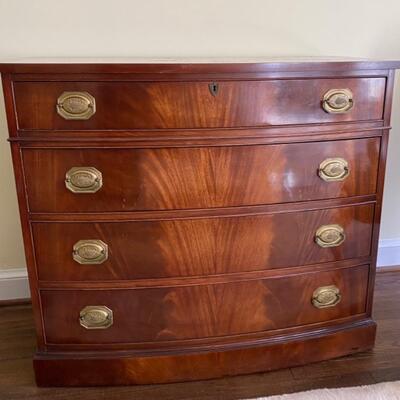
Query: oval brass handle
(326, 296)
(76, 105)
(96, 317)
(330, 236)
(90, 252)
(333, 169)
(83, 180)
(338, 101)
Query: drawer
(184, 178)
(201, 104)
(200, 311)
(199, 247)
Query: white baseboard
(14, 284)
(388, 252)
(14, 281)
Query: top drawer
(201, 104)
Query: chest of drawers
(189, 221)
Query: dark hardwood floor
(17, 344)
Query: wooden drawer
(185, 105)
(183, 178)
(205, 246)
(207, 310)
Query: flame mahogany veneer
(232, 218)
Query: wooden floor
(17, 344)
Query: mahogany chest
(188, 221)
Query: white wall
(173, 28)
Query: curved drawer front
(201, 311)
(198, 247)
(185, 105)
(157, 179)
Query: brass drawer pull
(326, 296)
(83, 180)
(90, 252)
(338, 101)
(333, 169)
(76, 105)
(330, 236)
(96, 317)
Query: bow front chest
(189, 221)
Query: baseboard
(14, 281)
(14, 284)
(389, 252)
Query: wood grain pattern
(17, 345)
(185, 105)
(75, 371)
(201, 311)
(158, 68)
(156, 179)
(23, 208)
(167, 138)
(210, 205)
(207, 246)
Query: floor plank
(17, 343)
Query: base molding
(388, 252)
(98, 369)
(13, 285)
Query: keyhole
(213, 86)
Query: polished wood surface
(185, 105)
(67, 371)
(209, 206)
(201, 311)
(156, 67)
(156, 179)
(17, 345)
(202, 246)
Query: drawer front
(198, 247)
(157, 179)
(185, 105)
(201, 311)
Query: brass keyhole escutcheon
(214, 87)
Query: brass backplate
(330, 235)
(338, 101)
(76, 105)
(91, 251)
(326, 296)
(83, 180)
(334, 169)
(96, 317)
